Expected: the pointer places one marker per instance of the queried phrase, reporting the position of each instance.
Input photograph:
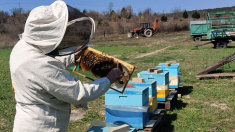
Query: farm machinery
(220, 29)
(145, 29)
(198, 29)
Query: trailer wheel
(198, 38)
(221, 44)
(148, 33)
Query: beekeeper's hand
(79, 53)
(114, 75)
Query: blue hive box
(173, 68)
(105, 129)
(161, 78)
(151, 84)
(137, 96)
(133, 116)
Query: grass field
(206, 105)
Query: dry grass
(6, 42)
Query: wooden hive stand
(170, 100)
(155, 122)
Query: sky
(158, 6)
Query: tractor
(145, 30)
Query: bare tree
(177, 12)
(113, 16)
(203, 14)
(94, 14)
(110, 8)
(147, 13)
(129, 12)
(3, 19)
(123, 13)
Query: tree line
(110, 22)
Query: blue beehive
(136, 117)
(173, 73)
(173, 68)
(151, 84)
(105, 129)
(161, 78)
(137, 96)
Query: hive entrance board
(100, 64)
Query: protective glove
(114, 75)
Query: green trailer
(221, 28)
(198, 29)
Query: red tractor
(145, 29)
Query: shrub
(174, 27)
(196, 15)
(120, 28)
(164, 18)
(185, 14)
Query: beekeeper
(44, 89)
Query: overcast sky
(157, 6)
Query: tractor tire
(135, 35)
(148, 33)
(198, 38)
(221, 44)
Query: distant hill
(220, 9)
(205, 11)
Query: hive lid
(152, 73)
(147, 82)
(164, 65)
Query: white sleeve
(68, 60)
(65, 88)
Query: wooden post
(168, 105)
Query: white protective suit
(44, 90)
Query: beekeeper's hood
(58, 27)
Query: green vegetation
(7, 100)
(164, 18)
(196, 15)
(185, 14)
(206, 105)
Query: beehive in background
(174, 73)
(163, 92)
(150, 84)
(162, 82)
